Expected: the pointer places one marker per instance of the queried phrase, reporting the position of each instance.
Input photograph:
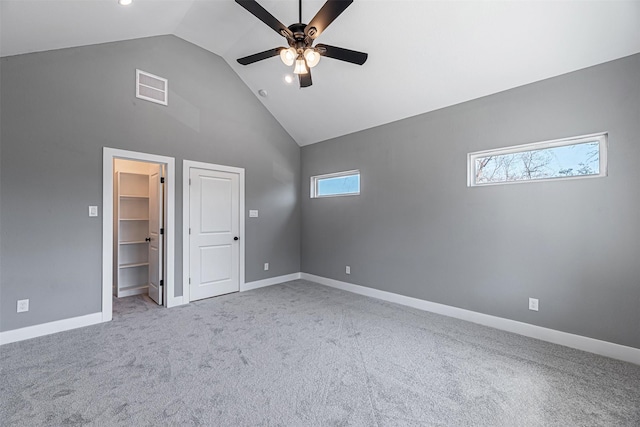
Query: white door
(156, 243)
(214, 221)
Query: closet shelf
(132, 196)
(132, 213)
(132, 290)
(137, 264)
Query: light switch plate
(253, 213)
(93, 211)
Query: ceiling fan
(300, 37)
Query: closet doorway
(138, 242)
(138, 229)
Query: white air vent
(152, 88)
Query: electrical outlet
(533, 304)
(347, 270)
(266, 266)
(93, 211)
(23, 305)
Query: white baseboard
(603, 348)
(49, 328)
(268, 282)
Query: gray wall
(59, 108)
(418, 230)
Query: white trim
(109, 154)
(601, 137)
(316, 178)
(49, 328)
(269, 282)
(186, 166)
(603, 348)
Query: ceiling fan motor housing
(300, 41)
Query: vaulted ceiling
(423, 55)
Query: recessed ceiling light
(124, 2)
(263, 93)
(288, 79)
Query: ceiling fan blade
(325, 16)
(260, 56)
(305, 79)
(342, 54)
(261, 13)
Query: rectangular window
(336, 184)
(578, 157)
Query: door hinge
(189, 280)
(161, 283)
(162, 180)
(162, 231)
(189, 181)
(189, 230)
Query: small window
(336, 184)
(579, 157)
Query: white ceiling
(423, 55)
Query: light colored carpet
(301, 354)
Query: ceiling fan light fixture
(312, 57)
(288, 56)
(301, 67)
(301, 54)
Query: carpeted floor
(301, 354)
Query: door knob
(148, 239)
(236, 238)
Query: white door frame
(108, 156)
(186, 261)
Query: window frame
(601, 138)
(316, 178)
